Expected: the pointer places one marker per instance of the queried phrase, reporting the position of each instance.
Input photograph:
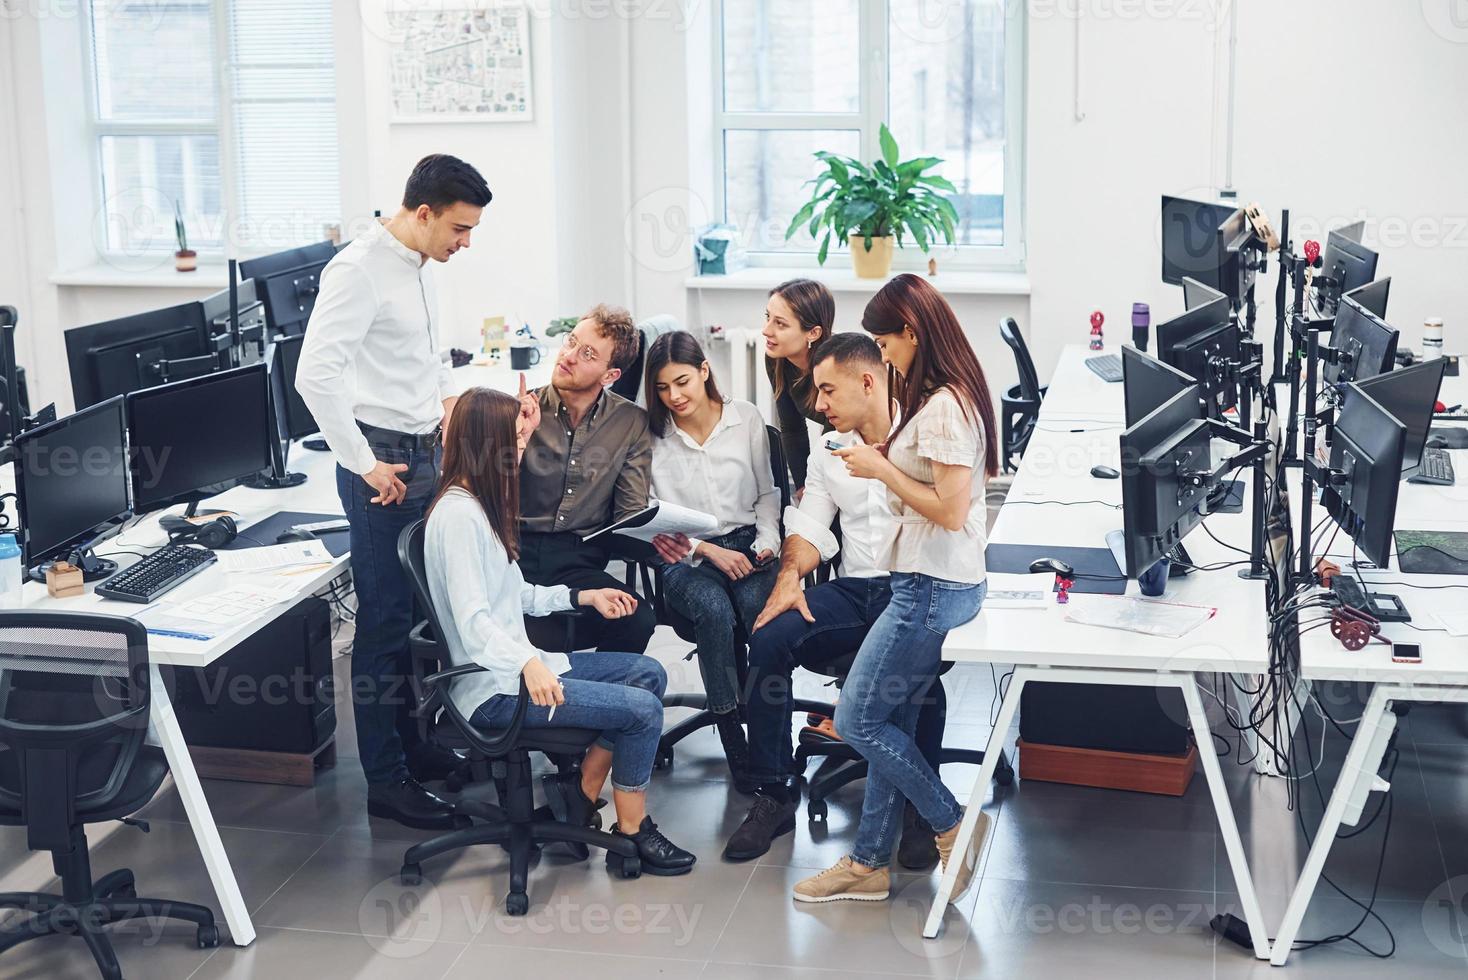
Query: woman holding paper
(933, 466)
(481, 598)
(713, 455)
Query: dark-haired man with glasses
(585, 466)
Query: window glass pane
(765, 174)
(946, 99)
(143, 177)
(154, 61)
(791, 56)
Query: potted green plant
(185, 259)
(872, 207)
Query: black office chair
(74, 702)
(631, 379)
(652, 585)
(1020, 403)
(515, 822)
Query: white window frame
(222, 129)
(873, 27)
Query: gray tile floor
(1076, 882)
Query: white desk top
(1057, 467)
(1077, 392)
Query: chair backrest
(410, 555)
(1029, 379)
(780, 468)
(74, 699)
(630, 383)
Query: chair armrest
(493, 747)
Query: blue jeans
(716, 604)
(878, 710)
(620, 694)
(381, 697)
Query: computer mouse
(1052, 565)
(1104, 472)
(294, 534)
(1436, 442)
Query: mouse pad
(1016, 558)
(265, 532)
(1453, 437)
(1432, 552)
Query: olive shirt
(792, 407)
(581, 480)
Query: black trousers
(564, 559)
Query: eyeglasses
(587, 353)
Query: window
(796, 76)
(223, 109)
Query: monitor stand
(94, 568)
(273, 482)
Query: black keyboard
(1436, 468)
(1107, 366)
(156, 574)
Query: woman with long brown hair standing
(799, 315)
(933, 465)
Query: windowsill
(159, 276)
(838, 279)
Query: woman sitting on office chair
(481, 599)
(713, 455)
(933, 465)
(799, 315)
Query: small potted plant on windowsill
(185, 259)
(871, 207)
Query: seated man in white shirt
(819, 626)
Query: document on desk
(1154, 617)
(276, 556)
(1008, 590)
(661, 517)
(1456, 623)
(205, 617)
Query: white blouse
(481, 600)
(728, 476)
(938, 433)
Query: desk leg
(976, 798)
(226, 889)
(1233, 844)
(1357, 767)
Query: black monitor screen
(1193, 244)
(1409, 395)
(1365, 345)
(1373, 296)
(134, 352)
(1366, 451)
(1160, 506)
(1148, 383)
(287, 283)
(196, 438)
(71, 480)
(299, 422)
(1347, 261)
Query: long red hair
(944, 357)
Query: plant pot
(188, 260)
(873, 264)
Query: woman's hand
(732, 563)
(611, 603)
(672, 548)
(864, 462)
(544, 687)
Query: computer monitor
(1366, 457)
(1409, 394)
(288, 410)
(287, 283)
(1148, 383)
(1199, 343)
(1365, 345)
(1196, 294)
(1162, 499)
(1373, 295)
(1204, 241)
(1346, 260)
(250, 343)
(71, 487)
(193, 439)
(140, 351)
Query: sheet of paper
(1456, 623)
(670, 519)
(1154, 617)
(275, 556)
(1019, 591)
(205, 617)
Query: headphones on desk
(211, 534)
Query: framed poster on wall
(459, 60)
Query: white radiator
(743, 373)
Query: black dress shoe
(569, 804)
(431, 761)
(408, 803)
(772, 814)
(659, 856)
(917, 851)
(736, 751)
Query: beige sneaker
(843, 881)
(945, 842)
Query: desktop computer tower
(271, 693)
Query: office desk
(1043, 646)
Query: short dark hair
(678, 347)
(440, 180)
(847, 349)
(615, 324)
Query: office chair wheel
(411, 875)
(816, 811)
(663, 760)
(517, 903)
(1004, 776)
(208, 937)
(626, 868)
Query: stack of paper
(1019, 591)
(275, 556)
(1154, 617)
(205, 617)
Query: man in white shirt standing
(826, 624)
(371, 374)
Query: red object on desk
(1063, 596)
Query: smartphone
(763, 562)
(833, 445)
(1406, 653)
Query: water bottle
(1432, 338)
(10, 572)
